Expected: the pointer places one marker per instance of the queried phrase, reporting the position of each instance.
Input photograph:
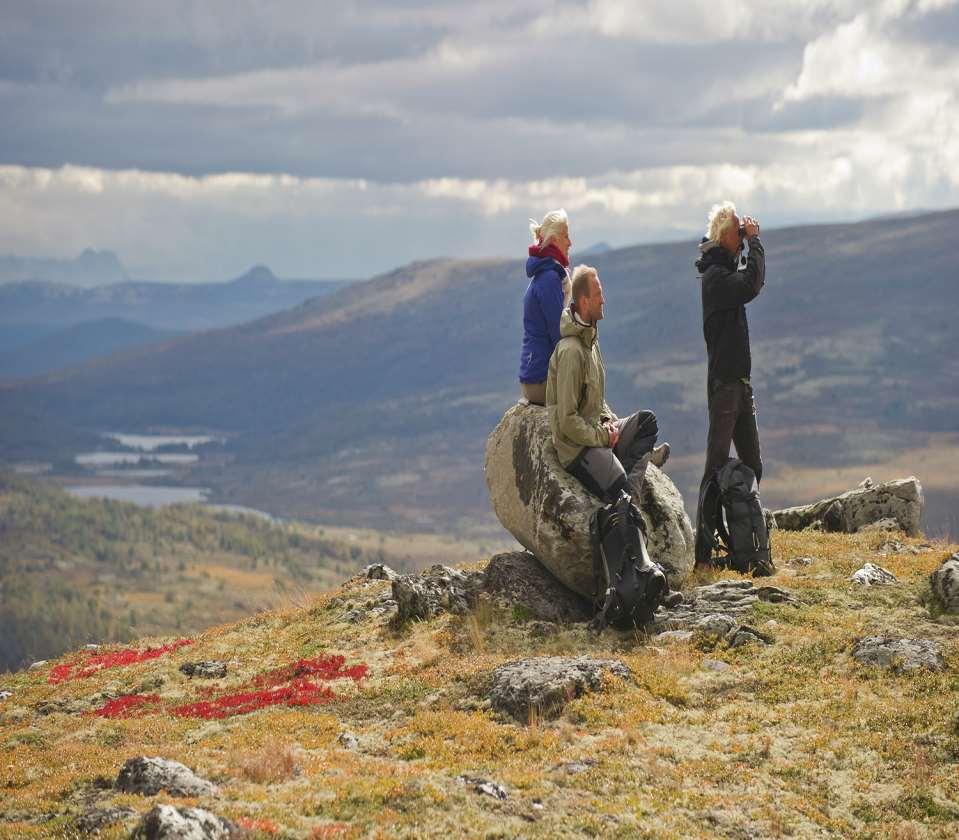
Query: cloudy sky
(346, 138)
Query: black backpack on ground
(627, 585)
(731, 525)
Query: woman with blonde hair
(546, 296)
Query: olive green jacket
(575, 391)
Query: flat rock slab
(520, 580)
(148, 776)
(899, 655)
(945, 584)
(208, 669)
(729, 598)
(547, 510)
(164, 822)
(869, 503)
(541, 687)
(872, 575)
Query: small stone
(164, 822)
(675, 636)
(485, 787)
(543, 686)
(91, 647)
(944, 583)
(873, 575)
(742, 636)
(379, 571)
(348, 741)
(4, 694)
(798, 562)
(899, 655)
(38, 664)
(96, 818)
(573, 768)
(885, 524)
(715, 624)
(206, 669)
(716, 665)
(148, 776)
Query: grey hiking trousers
(607, 472)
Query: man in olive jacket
(607, 454)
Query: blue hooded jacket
(542, 309)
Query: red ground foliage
(129, 705)
(298, 684)
(97, 662)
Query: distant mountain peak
(597, 248)
(256, 275)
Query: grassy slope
(794, 739)
(75, 571)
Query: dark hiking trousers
(607, 472)
(732, 419)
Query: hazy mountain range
(377, 410)
(90, 268)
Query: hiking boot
(659, 455)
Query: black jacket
(725, 293)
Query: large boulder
(547, 510)
(869, 503)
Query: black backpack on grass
(731, 529)
(627, 585)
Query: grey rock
(96, 818)
(543, 686)
(745, 635)
(717, 625)
(716, 665)
(518, 578)
(36, 666)
(574, 768)
(348, 741)
(439, 589)
(485, 787)
(164, 822)
(548, 511)
(872, 575)
(884, 524)
(729, 598)
(944, 583)
(770, 518)
(899, 655)
(675, 636)
(91, 647)
(799, 562)
(899, 500)
(207, 669)
(148, 776)
(4, 694)
(379, 571)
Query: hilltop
(377, 407)
(334, 719)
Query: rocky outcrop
(899, 655)
(518, 579)
(868, 504)
(209, 669)
(148, 776)
(439, 589)
(872, 575)
(944, 583)
(541, 687)
(164, 822)
(547, 510)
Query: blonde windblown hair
(719, 220)
(553, 224)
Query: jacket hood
(569, 326)
(713, 254)
(535, 265)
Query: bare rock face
(547, 510)
(148, 776)
(868, 504)
(439, 589)
(543, 686)
(519, 579)
(164, 822)
(945, 584)
(899, 655)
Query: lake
(139, 494)
(109, 459)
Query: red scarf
(550, 250)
